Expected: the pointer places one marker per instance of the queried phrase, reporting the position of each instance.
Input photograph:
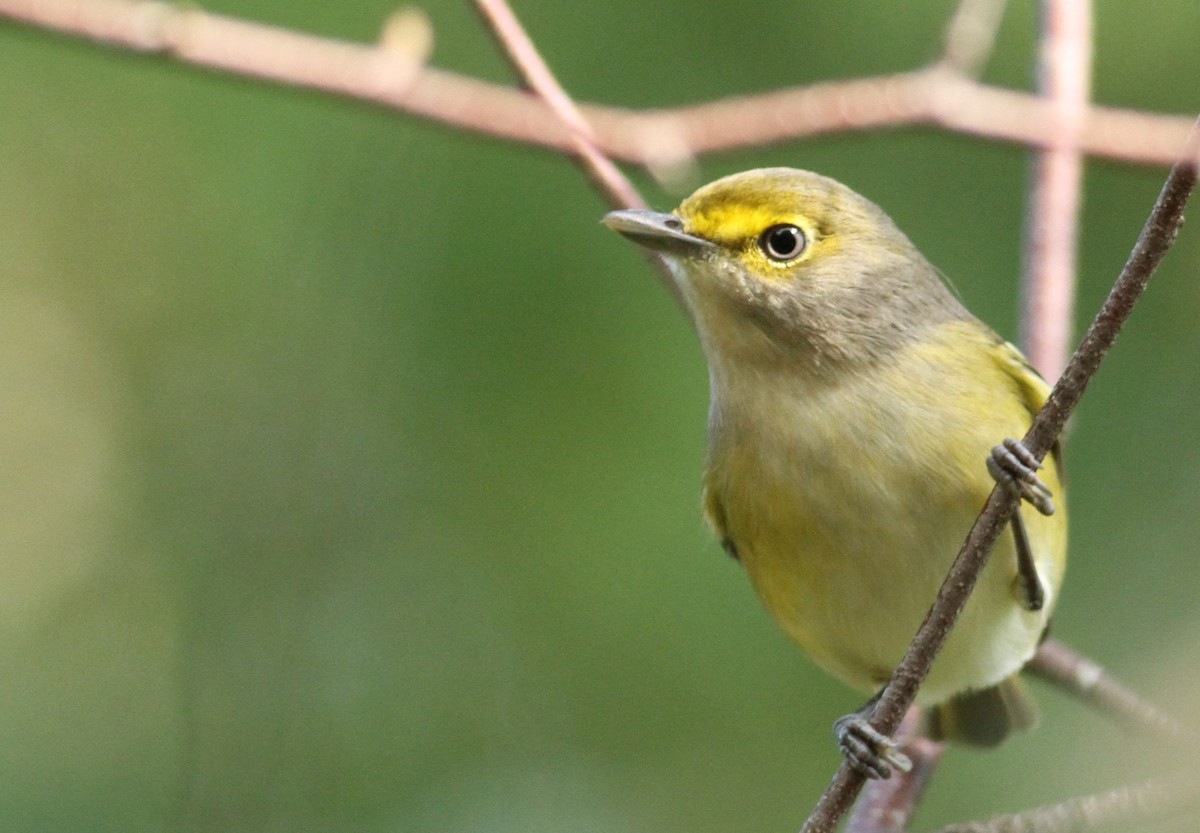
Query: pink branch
(392, 78)
(520, 49)
(1087, 681)
(971, 35)
(1048, 285)
(604, 174)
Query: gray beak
(655, 231)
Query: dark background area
(352, 469)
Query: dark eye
(782, 243)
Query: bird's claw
(867, 749)
(1013, 465)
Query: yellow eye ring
(783, 242)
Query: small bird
(859, 419)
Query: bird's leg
(1012, 465)
(867, 749)
(1029, 583)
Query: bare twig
(1084, 679)
(888, 806)
(617, 190)
(1156, 238)
(938, 96)
(1148, 800)
(971, 35)
(1052, 222)
(525, 57)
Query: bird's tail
(984, 717)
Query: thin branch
(525, 57)
(617, 190)
(971, 35)
(888, 806)
(936, 96)
(1052, 224)
(1156, 238)
(1137, 802)
(1087, 681)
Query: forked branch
(942, 95)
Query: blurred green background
(352, 469)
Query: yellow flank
(854, 406)
(848, 512)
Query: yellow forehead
(741, 207)
(733, 224)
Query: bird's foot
(1014, 466)
(867, 749)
